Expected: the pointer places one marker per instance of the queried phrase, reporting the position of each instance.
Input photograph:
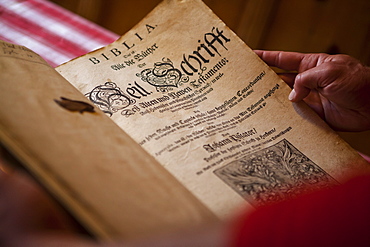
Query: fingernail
(292, 95)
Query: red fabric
(334, 217)
(49, 30)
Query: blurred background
(330, 26)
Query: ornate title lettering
(194, 63)
(109, 98)
(163, 76)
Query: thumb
(301, 88)
(316, 78)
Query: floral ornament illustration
(274, 173)
(164, 76)
(109, 98)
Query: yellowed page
(193, 95)
(100, 174)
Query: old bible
(176, 124)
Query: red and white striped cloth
(49, 30)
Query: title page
(203, 104)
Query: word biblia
(190, 64)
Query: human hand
(337, 87)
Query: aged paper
(106, 180)
(196, 98)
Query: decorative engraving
(274, 173)
(109, 98)
(164, 76)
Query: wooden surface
(299, 25)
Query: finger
(284, 60)
(317, 78)
(301, 89)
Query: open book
(178, 123)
